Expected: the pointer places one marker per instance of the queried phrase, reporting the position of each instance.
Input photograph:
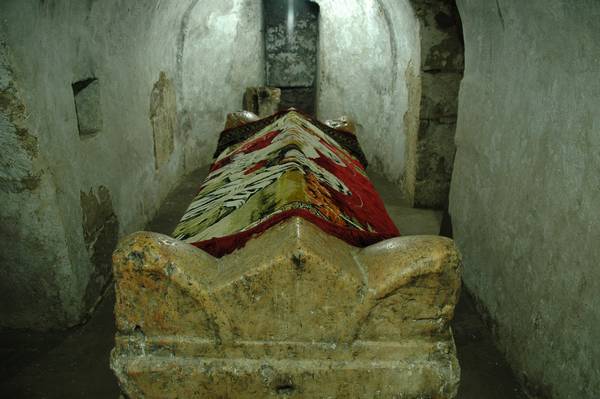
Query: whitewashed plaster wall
(369, 62)
(223, 54)
(525, 196)
(49, 276)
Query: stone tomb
(295, 313)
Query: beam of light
(291, 20)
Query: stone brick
(263, 101)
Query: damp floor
(74, 363)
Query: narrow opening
(86, 94)
(291, 51)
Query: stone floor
(74, 364)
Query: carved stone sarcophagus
(298, 296)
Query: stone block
(263, 101)
(295, 313)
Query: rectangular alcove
(87, 106)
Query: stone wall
(291, 51)
(80, 168)
(369, 58)
(525, 198)
(442, 64)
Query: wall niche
(86, 93)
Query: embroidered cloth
(283, 166)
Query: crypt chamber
(300, 198)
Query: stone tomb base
(295, 313)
